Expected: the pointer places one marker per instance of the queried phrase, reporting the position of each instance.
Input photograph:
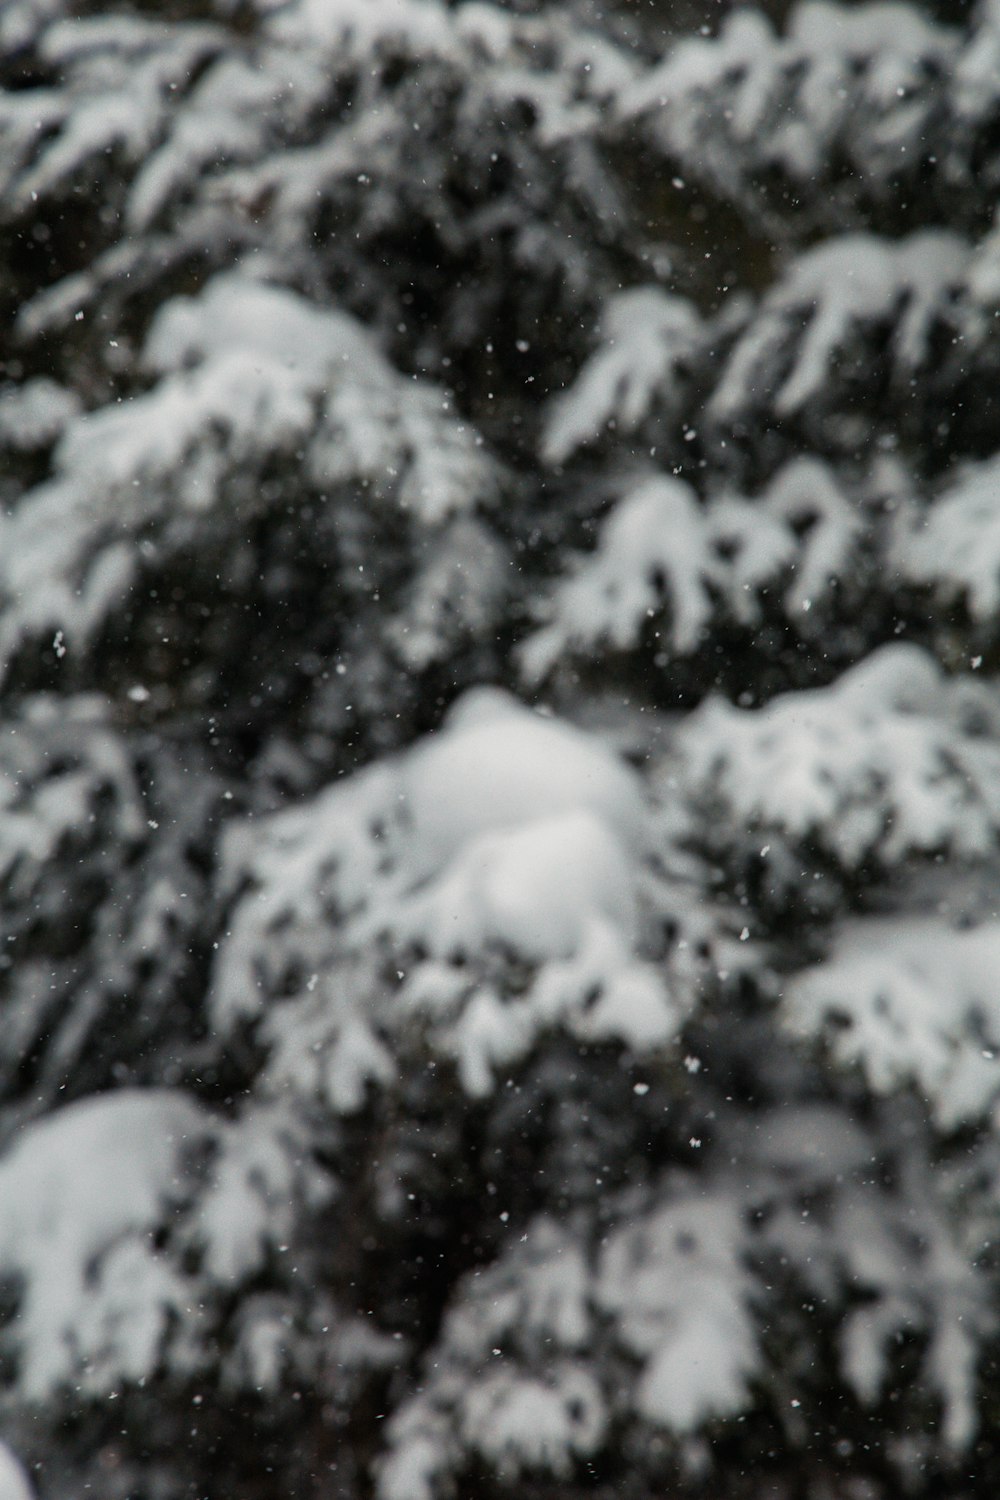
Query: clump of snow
(14, 1482)
(644, 339)
(662, 550)
(674, 1282)
(506, 838)
(894, 759)
(81, 1192)
(533, 889)
(259, 324)
(915, 1002)
(954, 545)
(748, 100)
(248, 373)
(497, 767)
(835, 292)
(35, 413)
(122, 1216)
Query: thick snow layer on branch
(674, 1282)
(831, 295)
(81, 1193)
(124, 1216)
(844, 83)
(954, 544)
(663, 556)
(913, 1001)
(14, 1483)
(263, 325)
(506, 834)
(250, 376)
(893, 760)
(644, 339)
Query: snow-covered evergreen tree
(500, 750)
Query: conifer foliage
(500, 750)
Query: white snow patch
(506, 838)
(663, 555)
(913, 1001)
(644, 338)
(675, 1284)
(836, 291)
(895, 758)
(14, 1482)
(80, 1193)
(520, 1423)
(954, 546)
(498, 766)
